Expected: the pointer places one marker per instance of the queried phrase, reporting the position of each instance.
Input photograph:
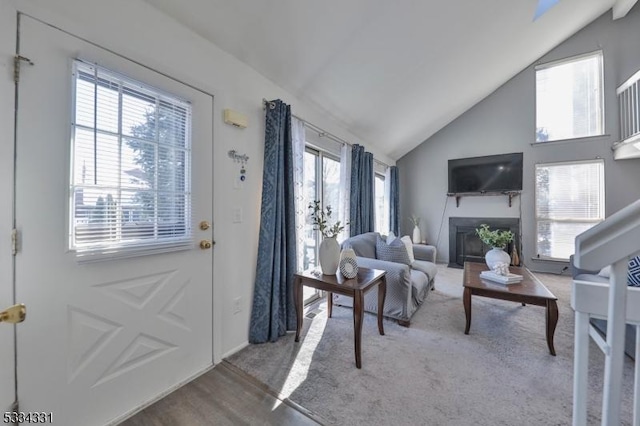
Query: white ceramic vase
(329, 256)
(348, 263)
(496, 255)
(416, 235)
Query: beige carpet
(432, 373)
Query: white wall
(136, 30)
(504, 122)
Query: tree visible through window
(569, 98)
(131, 157)
(569, 200)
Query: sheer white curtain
(345, 190)
(298, 139)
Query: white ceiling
(391, 72)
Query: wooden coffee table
(356, 288)
(530, 291)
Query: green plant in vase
(497, 240)
(329, 250)
(320, 220)
(494, 239)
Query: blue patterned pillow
(395, 251)
(633, 277)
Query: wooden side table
(355, 288)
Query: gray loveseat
(407, 286)
(600, 324)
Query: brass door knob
(14, 314)
(206, 244)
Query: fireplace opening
(466, 246)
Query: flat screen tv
(492, 173)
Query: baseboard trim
(158, 397)
(236, 349)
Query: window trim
(562, 61)
(99, 252)
(568, 59)
(597, 160)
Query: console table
(356, 288)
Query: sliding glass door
(322, 183)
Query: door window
(130, 172)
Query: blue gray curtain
(394, 201)
(273, 310)
(361, 205)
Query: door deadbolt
(14, 314)
(204, 225)
(206, 244)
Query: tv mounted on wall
(492, 173)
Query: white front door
(7, 343)
(102, 337)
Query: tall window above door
(569, 200)
(569, 98)
(130, 180)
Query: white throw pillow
(605, 272)
(391, 237)
(409, 245)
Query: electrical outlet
(236, 305)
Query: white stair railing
(611, 242)
(629, 111)
(629, 102)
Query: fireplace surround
(465, 245)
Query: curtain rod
(321, 132)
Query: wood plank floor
(223, 396)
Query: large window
(381, 207)
(569, 98)
(569, 200)
(130, 174)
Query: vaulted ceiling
(391, 72)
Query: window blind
(131, 157)
(569, 200)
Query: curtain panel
(273, 311)
(361, 205)
(394, 200)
